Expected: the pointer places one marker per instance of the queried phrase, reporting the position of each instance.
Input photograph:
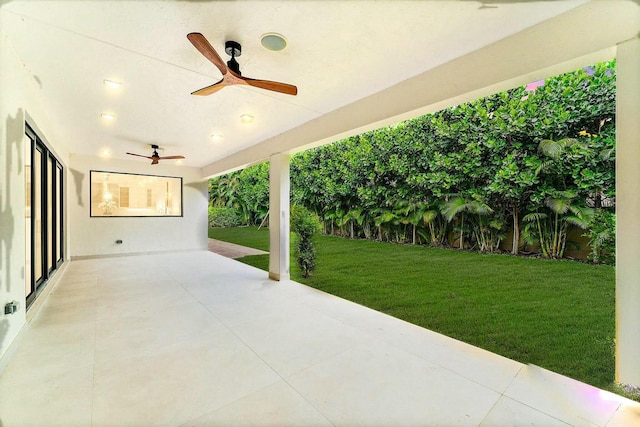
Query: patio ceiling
(356, 65)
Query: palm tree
(411, 213)
(552, 227)
(459, 205)
(383, 216)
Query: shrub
(305, 224)
(602, 238)
(224, 217)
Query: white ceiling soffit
(354, 62)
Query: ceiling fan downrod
(233, 49)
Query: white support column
(627, 211)
(279, 217)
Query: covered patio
(130, 321)
(216, 343)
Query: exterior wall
(19, 101)
(96, 236)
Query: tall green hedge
(526, 165)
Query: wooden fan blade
(210, 89)
(170, 157)
(205, 48)
(140, 155)
(274, 86)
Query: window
(43, 211)
(115, 194)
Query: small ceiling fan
(231, 70)
(155, 157)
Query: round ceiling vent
(273, 41)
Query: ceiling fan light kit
(230, 71)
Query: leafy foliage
(469, 175)
(305, 224)
(602, 237)
(223, 217)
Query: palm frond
(429, 216)
(551, 148)
(453, 207)
(558, 205)
(534, 216)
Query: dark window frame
(40, 280)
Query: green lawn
(554, 314)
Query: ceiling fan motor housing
(233, 49)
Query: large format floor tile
(378, 384)
(277, 405)
(196, 339)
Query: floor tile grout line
(397, 347)
(282, 378)
(530, 407)
(346, 350)
(522, 368)
(612, 415)
(307, 400)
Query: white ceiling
(339, 52)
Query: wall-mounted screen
(116, 194)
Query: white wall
(19, 100)
(95, 236)
(12, 221)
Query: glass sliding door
(58, 215)
(28, 153)
(38, 260)
(49, 213)
(44, 228)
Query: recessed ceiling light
(273, 41)
(216, 137)
(112, 84)
(246, 118)
(105, 153)
(179, 162)
(108, 116)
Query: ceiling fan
(155, 157)
(231, 70)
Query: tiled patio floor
(197, 339)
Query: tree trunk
(516, 233)
(461, 231)
(554, 252)
(414, 234)
(433, 234)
